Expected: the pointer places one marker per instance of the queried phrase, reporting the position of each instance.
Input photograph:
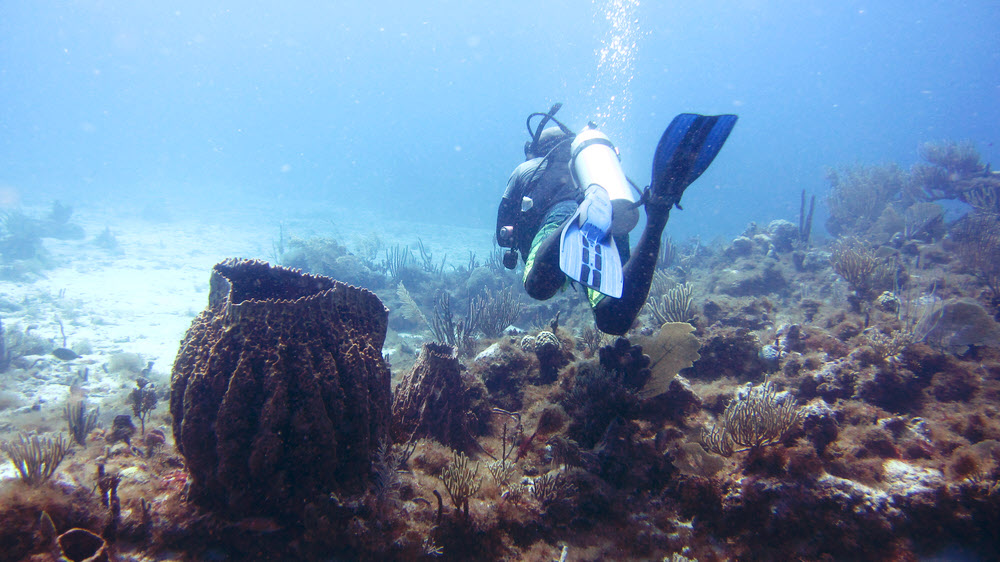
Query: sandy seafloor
(142, 298)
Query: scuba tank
(595, 163)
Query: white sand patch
(142, 298)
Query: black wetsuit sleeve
(509, 212)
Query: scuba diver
(568, 209)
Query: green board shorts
(557, 215)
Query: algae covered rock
(961, 323)
(279, 392)
(748, 278)
(506, 370)
(784, 234)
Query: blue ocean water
(416, 109)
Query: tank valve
(506, 236)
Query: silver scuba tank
(594, 160)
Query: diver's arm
(510, 205)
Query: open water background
(415, 110)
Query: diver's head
(551, 138)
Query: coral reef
(673, 349)
(493, 311)
(825, 400)
(859, 194)
(552, 352)
(461, 482)
(122, 430)
(866, 273)
(80, 421)
(32, 514)
(329, 258)
(675, 305)
(757, 417)
(977, 243)
(143, 400)
(506, 370)
(279, 393)
(35, 458)
(729, 353)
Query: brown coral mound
(280, 393)
(729, 353)
(430, 401)
(23, 505)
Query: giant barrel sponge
(279, 393)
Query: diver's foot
(658, 208)
(668, 191)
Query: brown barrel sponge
(279, 393)
(431, 399)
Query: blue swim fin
(685, 151)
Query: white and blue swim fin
(587, 252)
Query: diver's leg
(615, 316)
(544, 278)
(542, 275)
(685, 150)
